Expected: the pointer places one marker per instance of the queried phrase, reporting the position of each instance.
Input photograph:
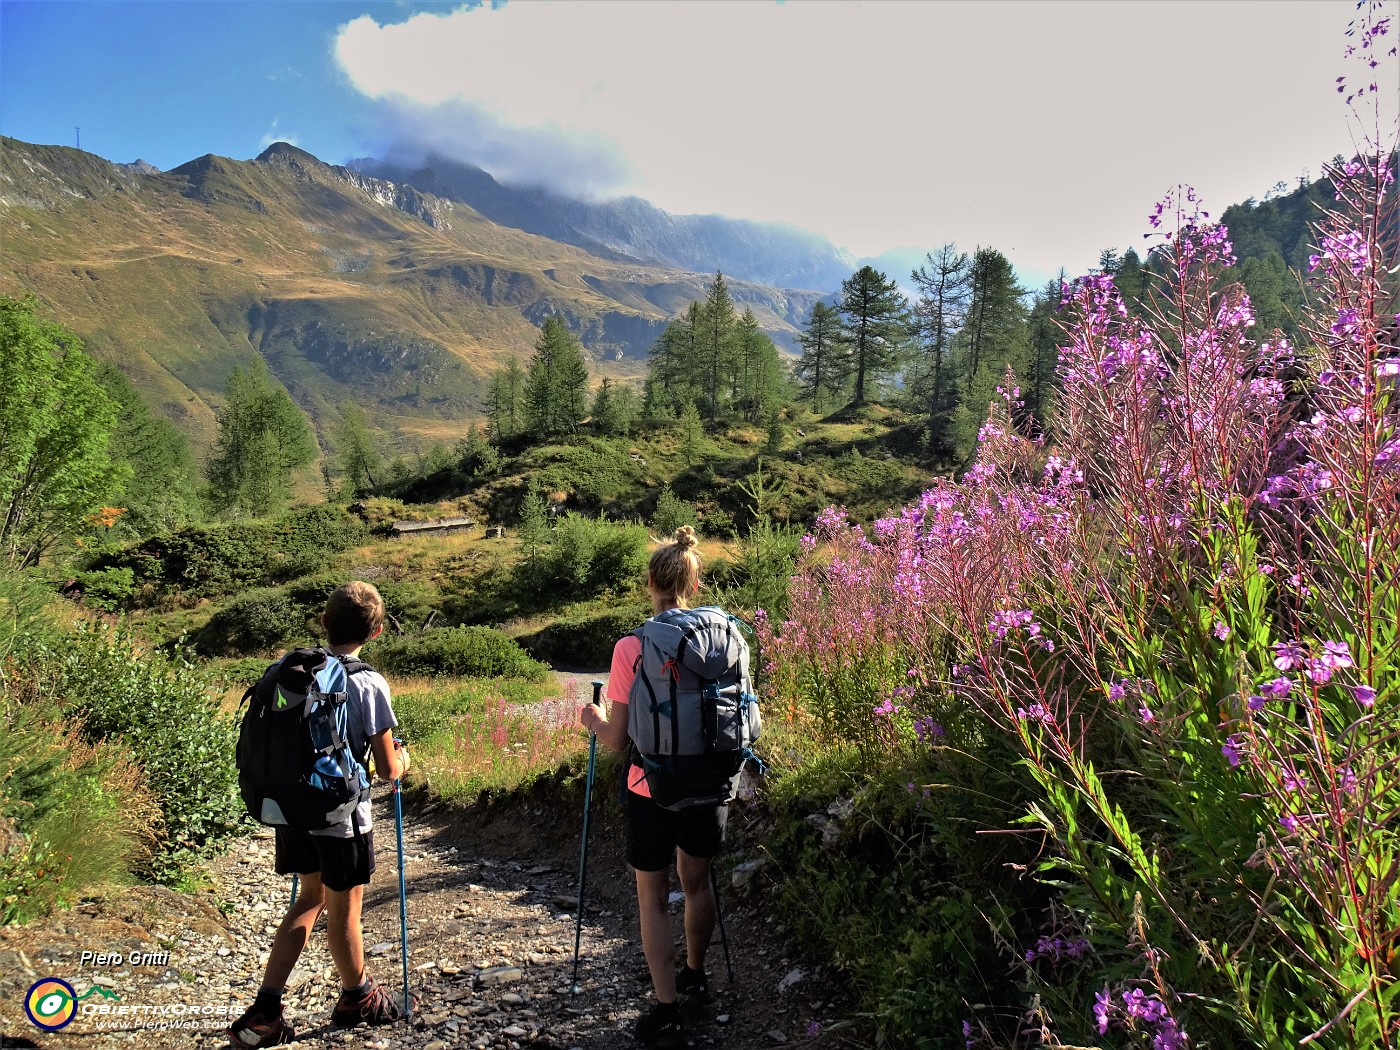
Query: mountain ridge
(348, 285)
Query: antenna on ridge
(77, 137)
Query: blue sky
(1046, 128)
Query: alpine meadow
(1072, 611)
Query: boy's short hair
(354, 612)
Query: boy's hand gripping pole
(597, 701)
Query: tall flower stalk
(1182, 608)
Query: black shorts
(341, 863)
(654, 833)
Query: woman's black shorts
(341, 863)
(654, 833)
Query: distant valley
(401, 293)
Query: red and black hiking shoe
(256, 1028)
(376, 1006)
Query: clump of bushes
(463, 652)
(583, 557)
(216, 560)
(74, 816)
(158, 706)
(260, 621)
(586, 640)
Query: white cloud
(276, 134)
(1047, 129)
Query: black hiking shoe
(662, 1028)
(256, 1028)
(376, 1007)
(692, 985)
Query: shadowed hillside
(349, 286)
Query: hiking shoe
(377, 1007)
(692, 985)
(256, 1028)
(661, 1028)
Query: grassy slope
(181, 276)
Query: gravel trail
(491, 932)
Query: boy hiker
(334, 863)
(676, 809)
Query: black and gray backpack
(296, 767)
(692, 714)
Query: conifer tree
(692, 433)
(358, 457)
(759, 370)
(505, 404)
(557, 384)
(715, 331)
(939, 313)
(263, 438)
(877, 324)
(824, 365)
(161, 491)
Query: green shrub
(73, 816)
(25, 620)
(216, 560)
(465, 652)
(671, 513)
(107, 589)
(159, 706)
(586, 640)
(584, 557)
(259, 621)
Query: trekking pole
(587, 808)
(296, 882)
(403, 899)
(719, 915)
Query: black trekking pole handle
(597, 701)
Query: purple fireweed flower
(1103, 1009)
(1288, 655)
(1364, 695)
(970, 1038)
(814, 1029)
(1140, 1006)
(1288, 822)
(1294, 783)
(1336, 655)
(1276, 688)
(1035, 713)
(1221, 631)
(1005, 621)
(1255, 703)
(887, 709)
(1169, 1036)
(1146, 716)
(1318, 671)
(1116, 691)
(927, 730)
(1231, 750)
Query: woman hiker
(655, 836)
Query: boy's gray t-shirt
(367, 712)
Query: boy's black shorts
(341, 863)
(654, 833)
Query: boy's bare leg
(344, 936)
(294, 932)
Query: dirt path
(491, 933)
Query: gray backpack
(692, 714)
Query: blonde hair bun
(685, 537)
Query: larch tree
(824, 367)
(263, 439)
(877, 323)
(556, 387)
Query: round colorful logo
(51, 1004)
